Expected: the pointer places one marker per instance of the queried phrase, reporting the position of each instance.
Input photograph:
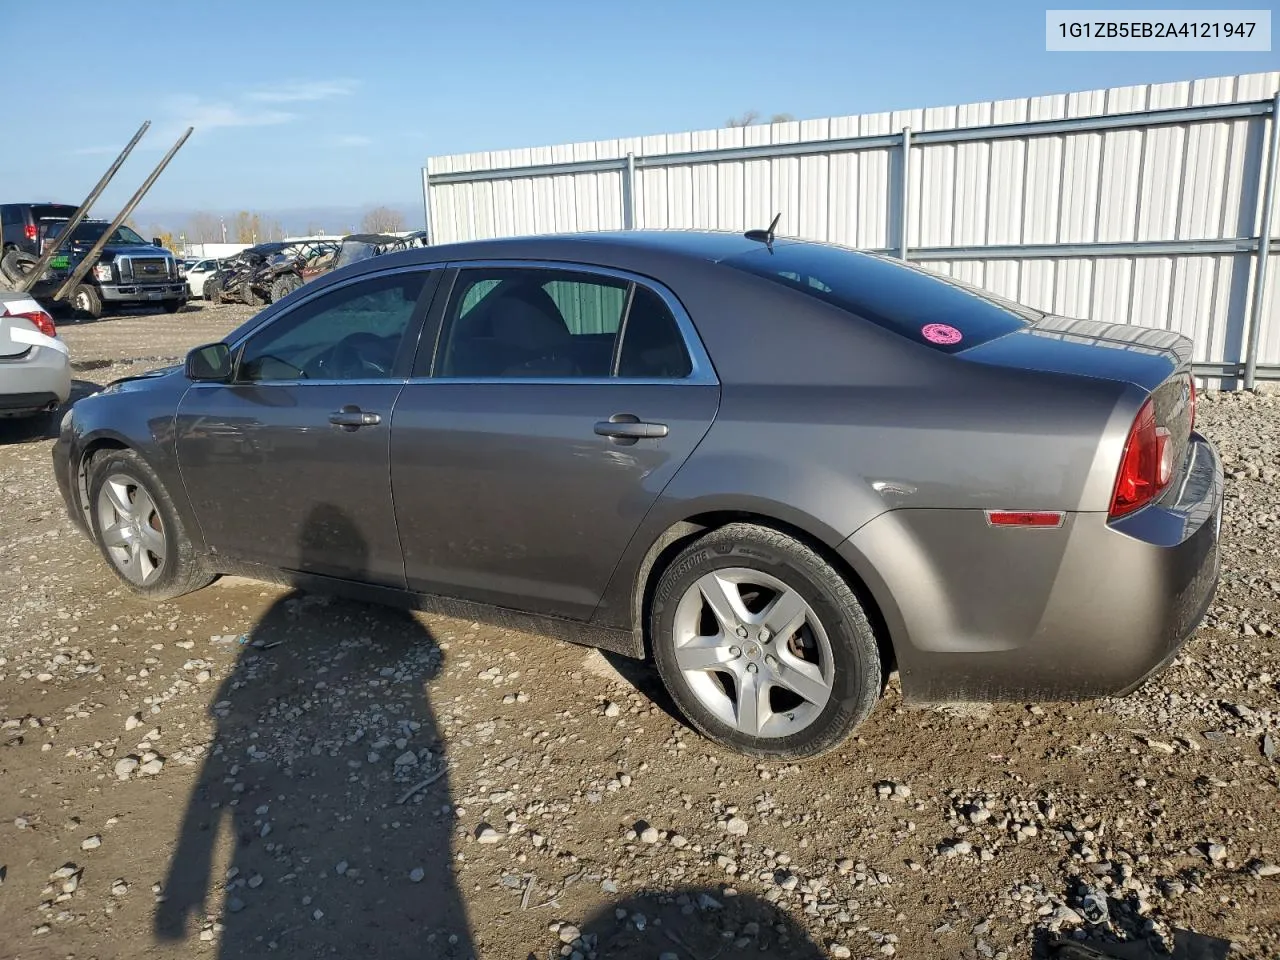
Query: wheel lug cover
(752, 668)
(742, 631)
(735, 651)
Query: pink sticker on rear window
(941, 333)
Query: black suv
(24, 224)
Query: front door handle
(628, 428)
(352, 417)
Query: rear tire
(795, 693)
(173, 306)
(138, 531)
(212, 291)
(284, 285)
(86, 301)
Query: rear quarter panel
(827, 422)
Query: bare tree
(750, 118)
(314, 229)
(203, 228)
(382, 220)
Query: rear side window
(926, 308)
(509, 323)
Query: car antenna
(765, 236)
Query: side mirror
(211, 363)
(155, 242)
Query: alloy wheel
(131, 529)
(753, 652)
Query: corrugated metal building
(1141, 204)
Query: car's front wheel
(762, 644)
(138, 529)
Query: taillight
(1146, 466)
(40, 320)
(30, 231)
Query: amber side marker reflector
(1025, 518)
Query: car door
(287, 464)
(559, 402)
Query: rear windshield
(51, 211)
(924, 307)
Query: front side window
(351, 333)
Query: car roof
(710, 245)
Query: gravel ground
(250, 770)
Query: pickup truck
(129, 272)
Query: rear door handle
(627, 427)
(353, 418)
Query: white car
(199, 272)
(35, 368)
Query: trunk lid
(1090, 348)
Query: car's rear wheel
(173, 306)
(139, 531)
(86, 301)
(762, 644)
(212, 291)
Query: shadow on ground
(693, 922)
(296, 826)
(44, 426)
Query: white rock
(125, 766)
(119, 888)
(736, 826)
(416, 874)
(650, 835)
(91, 843)
(840, 951)
(569, 933)
(151, 767)
(486, 834)
(133, 722)
(407, 759)
(612, 709)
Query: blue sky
(335, 104)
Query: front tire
(86, 301)
(763, 645)
(173, 306)
(137, 528)
(250, 295)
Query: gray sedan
(777, 469)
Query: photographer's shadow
(305, 794)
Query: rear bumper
(29, 385)
(145, 293)
(1088, 609)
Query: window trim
(408, 345)
(701, 370)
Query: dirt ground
(249, 771)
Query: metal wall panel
(1138, 182)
